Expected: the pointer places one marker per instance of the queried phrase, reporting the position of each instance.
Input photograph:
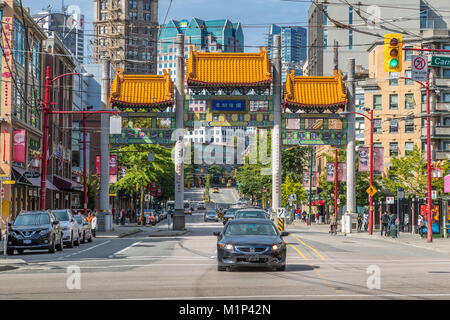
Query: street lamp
(47, 110)
(371, 161)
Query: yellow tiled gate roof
(228, 69)
(140, 91)
(314, 93)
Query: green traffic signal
(393, 63)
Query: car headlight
(275, 247)
(44, 232)
(227, 246)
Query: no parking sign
(419, 67)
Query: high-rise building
(208, 35)
(293, 48)
(126, 33)
(368, 17)
(68, 24)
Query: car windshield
(78, 218)
(61, 215)
(32, 219)
(229, 215)
(210, 213)
(251, 214)
(250, 229)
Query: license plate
(26, 241)
(253, 258)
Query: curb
(168, 233)
(122, 235)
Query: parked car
(201, 206)
(163, 214)
(84, 227)
(150, 216)
(34, 230)
(71, 234)
(211, 215)
(251, 214)
(251, 243)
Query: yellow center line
(328, 283)
(296, 249)
(317, 252)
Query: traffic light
(393, 52)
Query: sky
(254, 15)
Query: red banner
(98, 165)
(19, 142)
(378, 159)
(364, 159)
(113, 165)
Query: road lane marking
(78, 252)
(317, 252)
(271, 297)
(296, 249)
(125, 249)
(328, 283)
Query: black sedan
(252, 243)
(34, 230)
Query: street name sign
(281, 212)
(9, 182)
(437, 61)
(419, 71)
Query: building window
(325, 38)
(409, 101)
(377, 126)
(393, 78)
(377, 102)
(409, 147)
(393, 126)
(408, 53)
(445, 97)
(408, 82)
(132, 4)
(350, 39)
(409, 125)
(393, 101)
(393, 149)
(446, 73)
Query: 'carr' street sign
(419, 69)
(437, 61)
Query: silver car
(70, 229)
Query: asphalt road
(141, 267)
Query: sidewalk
(406, 238)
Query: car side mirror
(55, 223)
(284, 233)
(9, 224)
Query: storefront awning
(66, 183)
(34, 182)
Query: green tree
(288, 187)
(410, 173)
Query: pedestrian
(420, 225)
(298, 214)
(317, 217)
(384, 223)
(304, 216)
(359, 219)
(333, 224)
(122, 217)
(366, 220)
(89, 217)
(94, 224)
(397, 225)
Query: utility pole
(276, 132)
(178, 215)
(336, 55)
(351, 175)
(105, 216)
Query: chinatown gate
(237, 90)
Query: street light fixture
(47, 110)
